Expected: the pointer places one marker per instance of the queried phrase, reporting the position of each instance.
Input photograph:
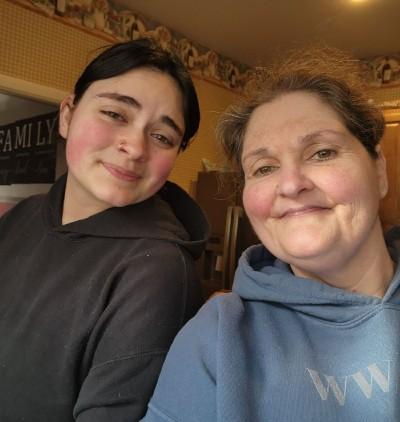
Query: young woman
(97, 276)
(310, 331)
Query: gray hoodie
(88, 309)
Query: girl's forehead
(140, 86)
(141, 77)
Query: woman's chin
(308, 246)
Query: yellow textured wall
(213, 99)
(51, 53)
(42, 50)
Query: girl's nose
(134, 146)
(292, 181)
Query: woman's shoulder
(205, 325)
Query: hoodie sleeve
(186, 389)
(155, 292)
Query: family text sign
(28, 150)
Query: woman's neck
(369, 271)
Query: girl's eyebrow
(126, 99)
(133, 102)
(171, 123)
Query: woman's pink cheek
(256, 203)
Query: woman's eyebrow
(310, 137)
(319, 133)
(259, 152)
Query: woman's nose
(134, 146)
(292, 181)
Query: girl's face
(123, 137)
(311, 190)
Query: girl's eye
(114, 115)
(163, 140)
(324, 154)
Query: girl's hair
(327, 72)
(144, 53)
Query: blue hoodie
(281, 348)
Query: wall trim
(23, 88)
(102, 18)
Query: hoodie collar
(262, 277)
(171, 215)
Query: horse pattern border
(103, 18)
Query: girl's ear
(66, 111)
(381, 172)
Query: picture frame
(24, 97)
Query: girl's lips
(121, 173)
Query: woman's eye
(114, 115)
(265, 170)
(324, 154)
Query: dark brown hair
(327, 72)
(144, 53)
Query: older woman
(310, 331)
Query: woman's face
(311, 190)
(123, 137)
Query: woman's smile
(300, 211)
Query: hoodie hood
(263, 277)
(170, 215)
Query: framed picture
(32, 155)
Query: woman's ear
(381, 172)
(66, 111)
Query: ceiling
(253, 31)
